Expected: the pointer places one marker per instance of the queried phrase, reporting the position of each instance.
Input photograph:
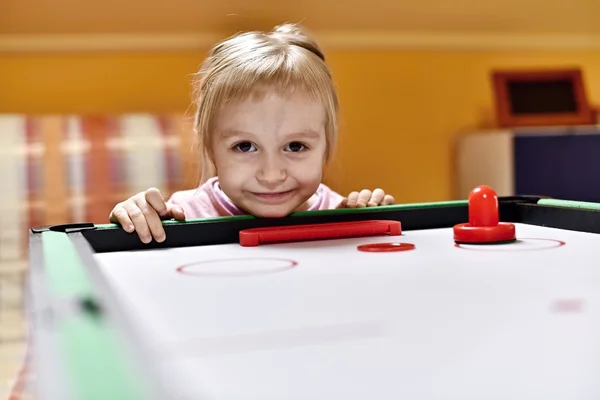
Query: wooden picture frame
(561, 91)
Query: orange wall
(400, 113)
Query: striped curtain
(60, 169)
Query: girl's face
(269, 152)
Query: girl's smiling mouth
(272, 196)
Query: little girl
(266, 123)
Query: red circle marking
(284, 266)
(493, 246)
(385, 247)
(568, 306)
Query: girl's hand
(366, 198)
(144, 213)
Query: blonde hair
(283, 60)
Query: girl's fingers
(352, 200)
(363, 198)
(120, 216)
(376, 198)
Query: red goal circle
(237, 267)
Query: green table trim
(339, 211)
(66, 275)
(569, 204)
(96, 362)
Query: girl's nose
(271, 171)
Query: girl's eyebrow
(227, 133)
(307, 133)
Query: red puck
(385, 247)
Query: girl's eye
(294, 147)
(245, 147)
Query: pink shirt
(210, 201)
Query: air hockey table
(207, 315)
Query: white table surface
(513, 321)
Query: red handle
(335, 230)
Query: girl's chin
(273, 210)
